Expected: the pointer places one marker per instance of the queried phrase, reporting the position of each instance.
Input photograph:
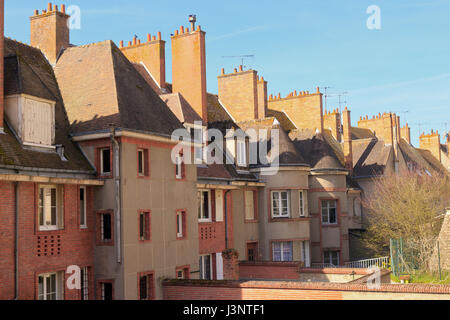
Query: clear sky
(298, 45)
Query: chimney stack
(50, 31)
(189, 68)
(347, 135)
(432, 143)
(2, 73)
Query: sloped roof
(101, 88)
(361, 133)
(27, 71)
(370, 157)
(146, 75)
(216, 111)
(282, 118)
(315, 149)
(181, 108)
(287, 153)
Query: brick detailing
(230, 264)
(50, 31)
(405, 133)
(189, 68)
(211, 237)
(294, 290)
(347, 137)
(2, 76)
(42, 251)
(332, 121)
(382, 126)
(151, 53)
(304, 109)
(238, 91)
(431, 142)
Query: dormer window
(32, 118)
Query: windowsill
(205, 221)
(330, 224)
(56, 230)
(84, 228)
(105, 176)
(288, 219)
(105, 243)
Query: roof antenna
(192, 20)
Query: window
(144, 226)
(302, 204)
(179, 167)
(249, 205)
(181, 227)
(204, 205)
(183, 273)
(205, 267)
(106, 227)
(50, 208)
(84, 284)
(83, 218)
(252, 251)
(143, 164)
(199, 152)
(282, 251)
(50, 286)
(331, 258)
(106, 290)
(146, 287)
(280, 204)
(105, 161)
(329, 212)
(241, 153)
(306, 254)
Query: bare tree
(409, 206)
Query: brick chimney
(230, 264)
(262, 98)
(2, 49)
(50, 31)
(332, 121)
(152, 54)
(405, 133)
(238, 91)
(347, 137)
(431, 142)
(189, 67)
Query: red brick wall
(71, 246)
(2, 36)
(269, 271)
(6, 240)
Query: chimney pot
(241, 68)
(149, 37)
(63, 8)
(121, 43)
(159, 35)
(49, 7)
(223, 71)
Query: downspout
(226, 220)
(16, 240)
(117, 194)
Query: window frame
(150, 284)
(328, 207)
(241, 155)
(282, 245)
(302, 212)
(202, 265)
(59, 208)
(200, 206)
(85, 224)
(101, 289)
(84, 289)
(100, 232)
(254, 202)
(329, 253)
(181, 222)
(180, 167)
(59, 288)
(102, 169)
(279, 200)
(146, 227)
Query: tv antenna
(243, 58)
(325, 89)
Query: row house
(47, 186)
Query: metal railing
(382, 262)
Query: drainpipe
(226, 219)
(16, 240)
(117, 193)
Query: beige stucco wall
(163, 195)
(243, 232)
(332, 237)
(293, 180)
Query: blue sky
(298, 45)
